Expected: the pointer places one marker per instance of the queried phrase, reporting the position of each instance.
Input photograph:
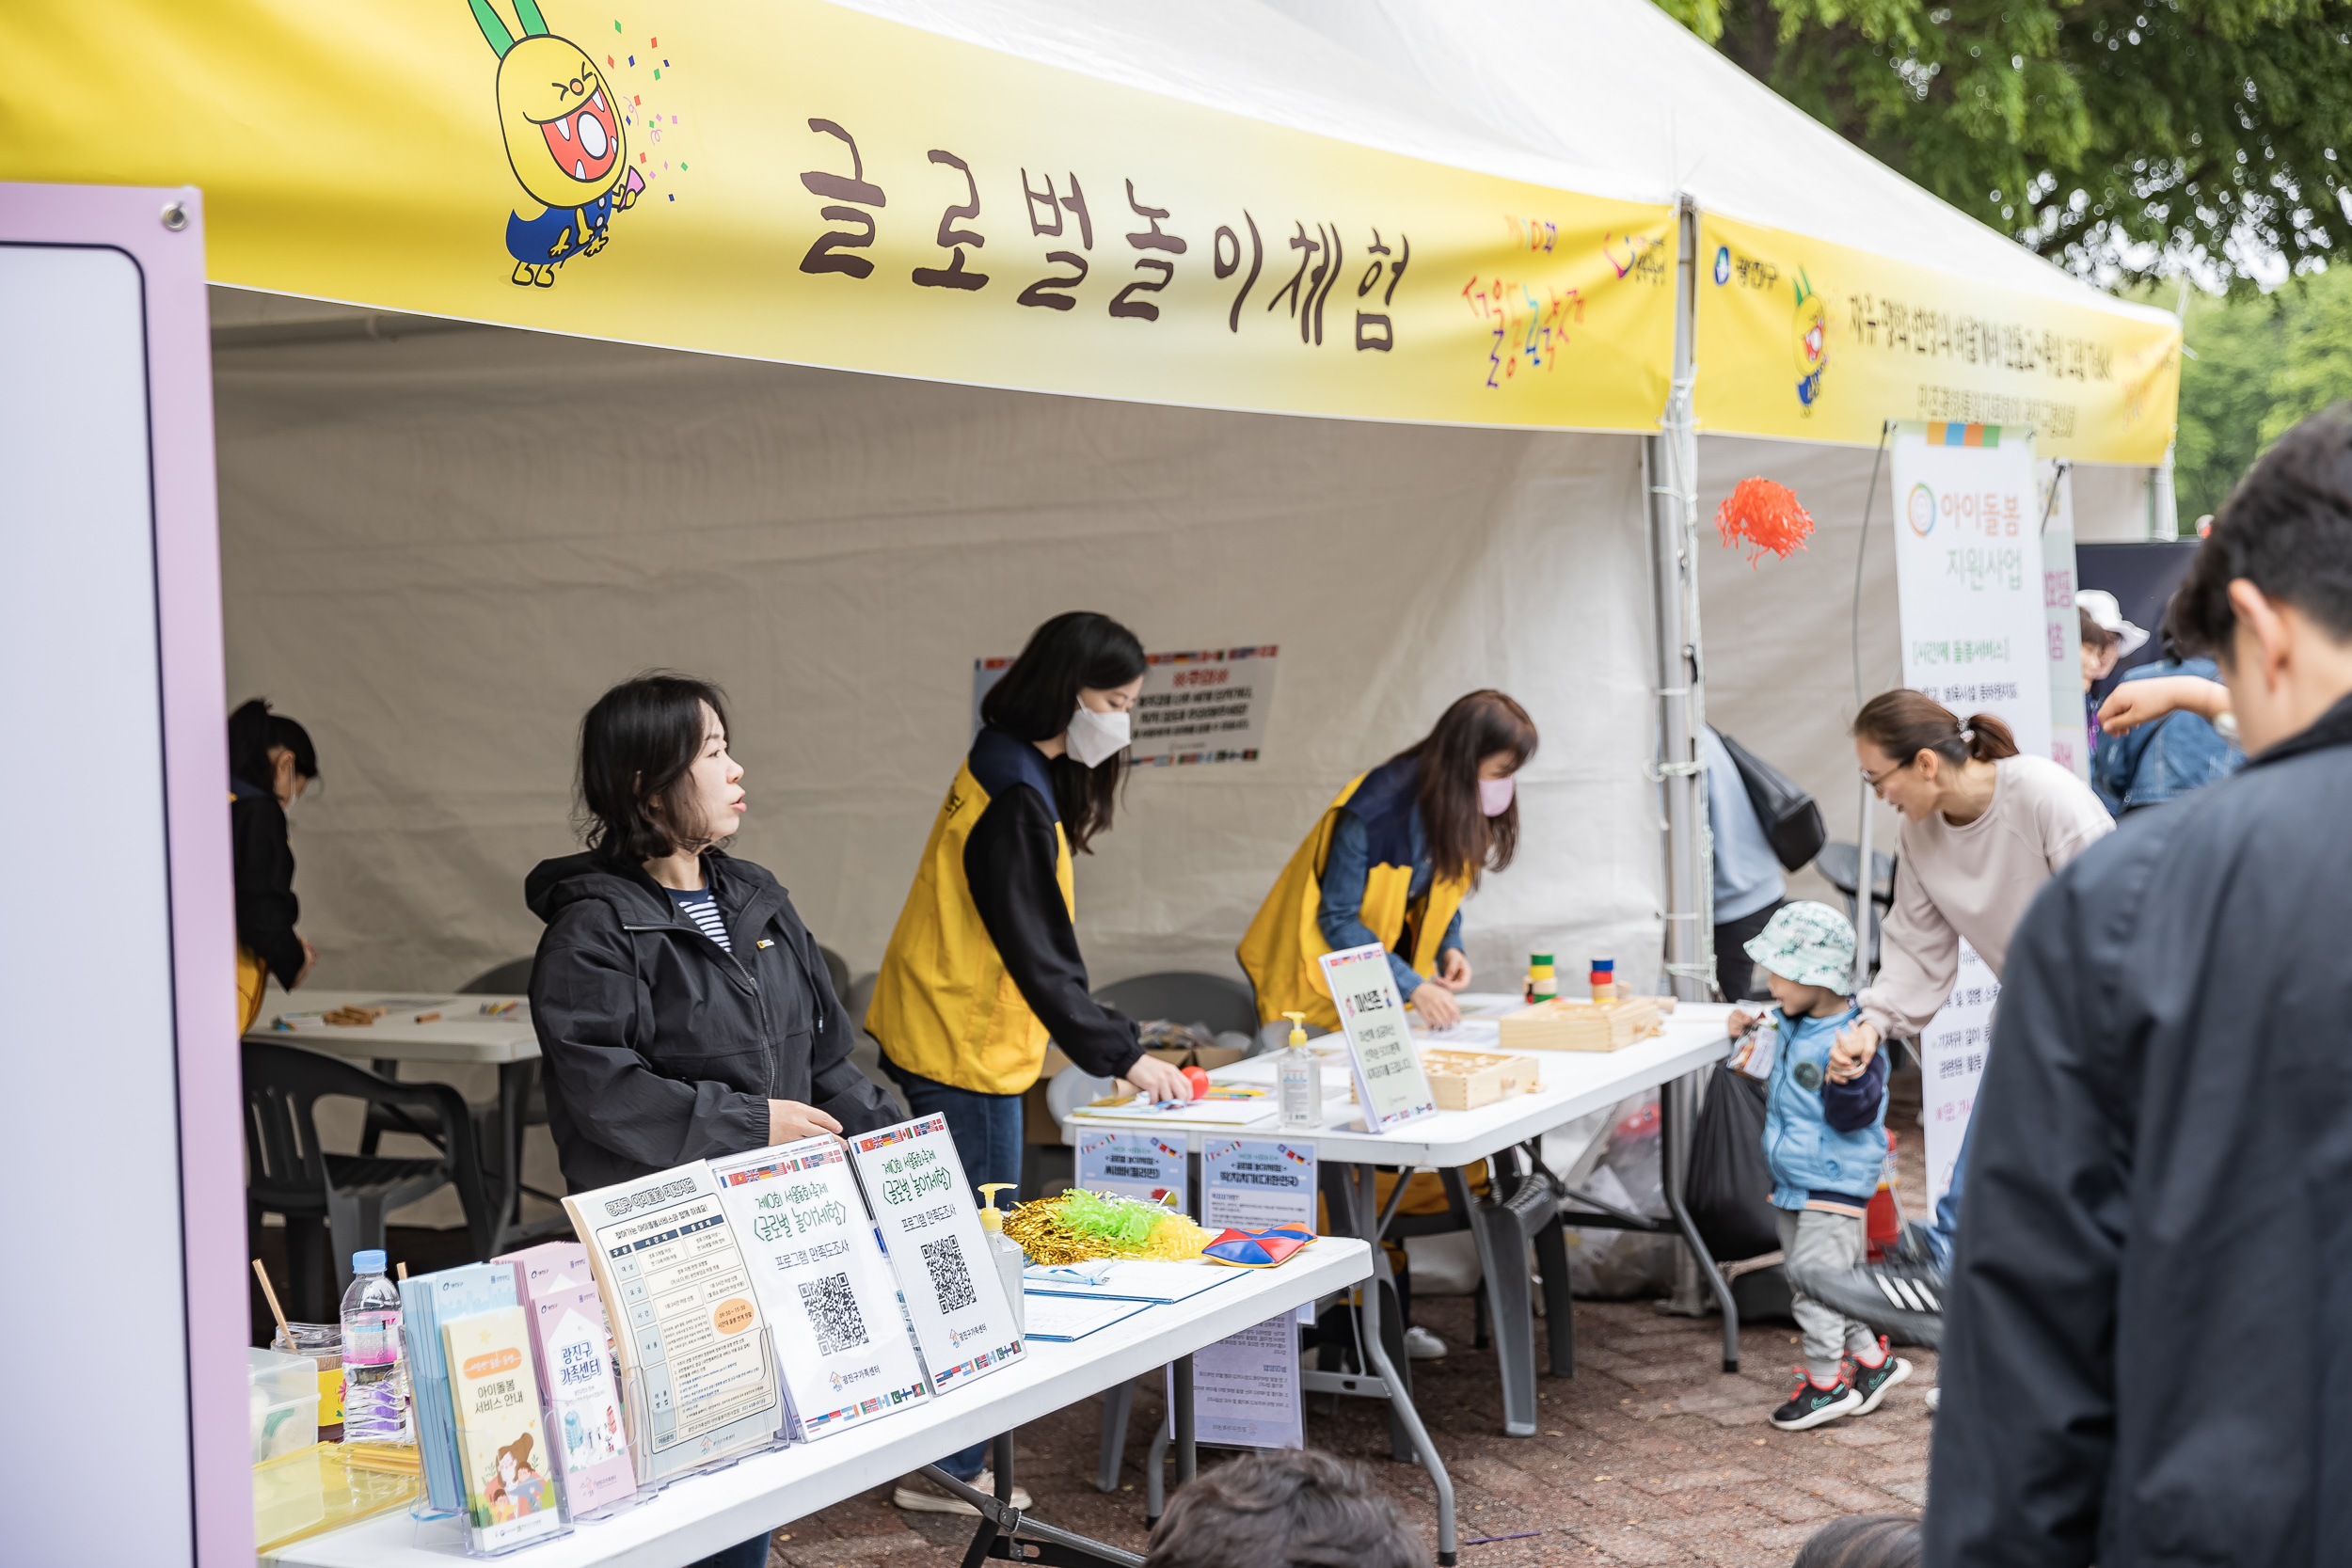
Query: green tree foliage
(2119, 137)
(2262, 364)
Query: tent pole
(1671, 468)
(1672, 464)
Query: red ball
(1199, 1079)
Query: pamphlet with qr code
(842, 1342)
(930, 1226)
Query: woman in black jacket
(682, 1008)
(271, 762)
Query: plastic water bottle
(375, 1368)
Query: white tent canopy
(439, 548)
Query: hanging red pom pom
(1767, 516)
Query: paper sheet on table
(1471, 1033)
(1141, 1279)
(1059, 1319)
(1198, 1113)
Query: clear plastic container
(282, 1402)
(375, 1367)
(322, 1345)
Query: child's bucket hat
(1810, 944)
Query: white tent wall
(1780, 637)
(438, 550)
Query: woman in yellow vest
(1390, 862)
(984, 970)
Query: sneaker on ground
(920, 1493)
(1903, 1296)
(1422, 1345)
(1812, 1404)
(1872, 1383)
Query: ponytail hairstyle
(254, 731)
(636, 745)
(1075, 650)
(1904, 723)
(1465, 842)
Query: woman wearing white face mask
(1391, 861)
(984, 966)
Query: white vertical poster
(1133, 1164)
(1951, 1060)
(1389, 1083)
(1968, 572)
(1245, 1388)
(1257, 1183)
(2069, 737)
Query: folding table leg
(1403, 1413)
(1669, 1094)
(1117, 1404)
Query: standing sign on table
(1257, 1183)
(1389, 1083)
(1979, 635)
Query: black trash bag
(1792, 820)
(1729, 1189)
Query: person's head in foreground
(2270, 595)
(1864, 1541)
(1281, 1508)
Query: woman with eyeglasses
(1983, 829)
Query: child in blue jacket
(1825, 1139)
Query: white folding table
(466, 1032)
(1574, 1083)
(708, 1512)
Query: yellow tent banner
(788, 180)
(1813, 341)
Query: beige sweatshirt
(1974, 882)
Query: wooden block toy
(1571, 1025)
(1465, 1079)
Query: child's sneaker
(1872, 1383)
(1812, 1404)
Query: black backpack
(1792, 820)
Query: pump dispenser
(1010, 1260)
(1301, 1078)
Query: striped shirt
(703, 910)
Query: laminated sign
(1200, 706)
(1133, 1164)
(698, 1375)
(1389, 1083)
(930, 1230)
(842, 1341)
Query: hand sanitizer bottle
(1301, 1078)
(1010, 1260)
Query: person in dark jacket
(271, 762)
(682, 1008)
(2143, 1351)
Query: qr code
(831, 1307)
(949, 1278)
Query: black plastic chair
(1186, 996)
(511, 978)
(345, 1196)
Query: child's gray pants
(1813, 1241)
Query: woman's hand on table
(1157, 1079)
(1436, 1005)
(1851, 1055)
(788, 1119)
(1454, 970)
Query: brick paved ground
(1649, 1455)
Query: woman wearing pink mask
(1390, 862)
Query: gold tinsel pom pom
(1078, 1227)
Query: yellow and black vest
(944, 1006)
(1284, 944)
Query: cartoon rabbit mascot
(563, 140)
